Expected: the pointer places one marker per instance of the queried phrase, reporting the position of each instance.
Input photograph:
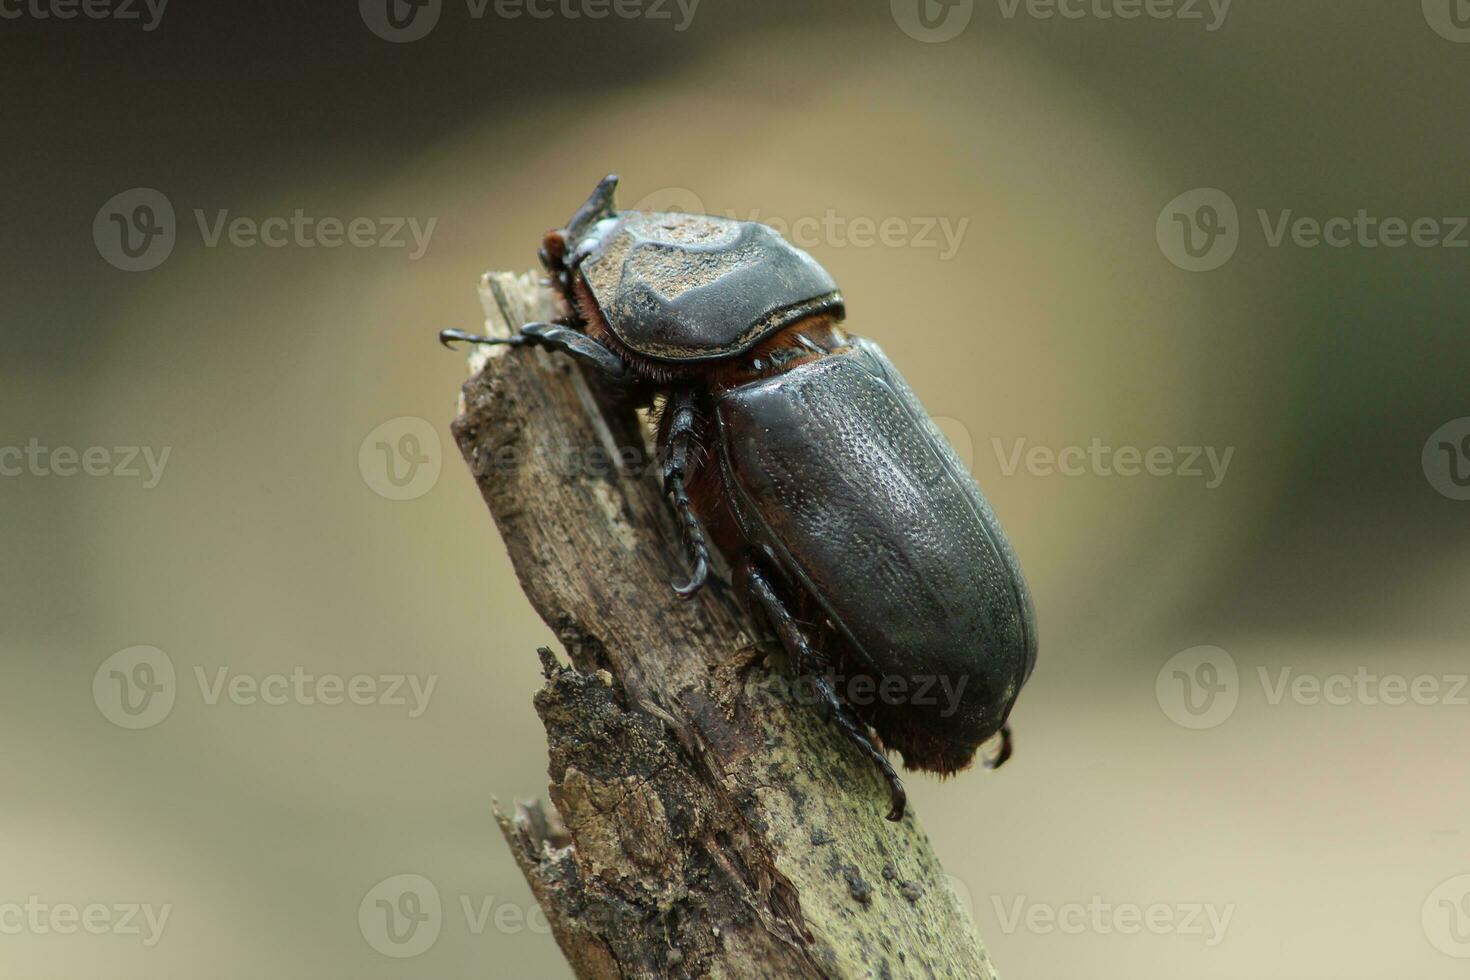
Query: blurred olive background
(1333, 835)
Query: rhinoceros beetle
(853, 529)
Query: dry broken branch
(702, 824)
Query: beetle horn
(598, 205)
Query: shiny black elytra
(854, 531)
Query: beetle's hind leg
(678, 431)
(552, 336)
(1003, 750)
(808, 664)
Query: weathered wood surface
(703, 823)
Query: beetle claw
(900, 795)
(1003, 752)
(696, 580)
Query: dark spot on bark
(856, 886)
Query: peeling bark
(701, 824)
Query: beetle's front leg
(552, 336)
(808, 663)
(678, 432)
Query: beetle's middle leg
(678, 431)
(552, 336)
(808, 664)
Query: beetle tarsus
(678, 434)
(552, 336)
(450, 337)
(807, 663)
(694, 532)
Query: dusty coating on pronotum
(797, 453)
